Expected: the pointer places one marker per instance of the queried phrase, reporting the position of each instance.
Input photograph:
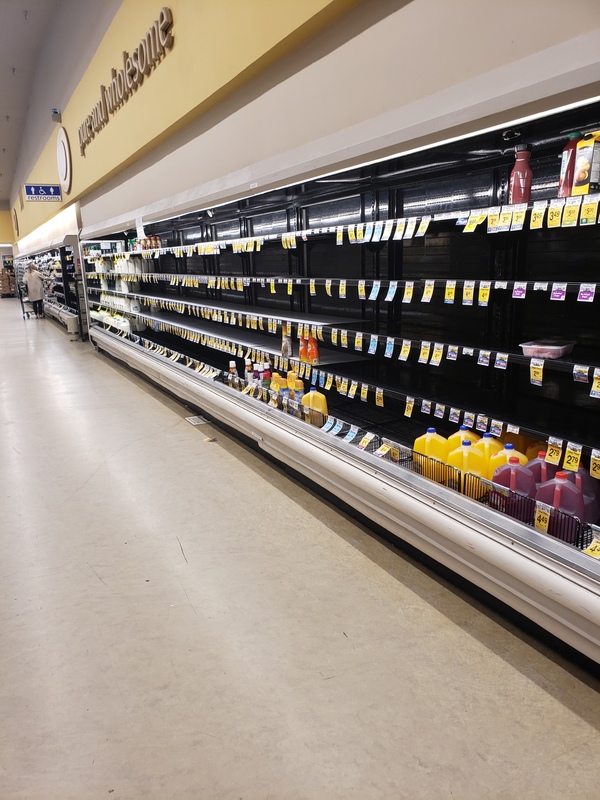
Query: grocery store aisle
(178, 619)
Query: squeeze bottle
(488, 445)
(540, 469)
(432, 444)
(502, 457)
(458, 437)
(519, 190)
(312, 352)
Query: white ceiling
(45, 47)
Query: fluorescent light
(5, 244)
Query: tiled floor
(179, 619)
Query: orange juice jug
(459, 436)
(488, 445)
(503, 457)
(432, 444)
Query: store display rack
(419, 304)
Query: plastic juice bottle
(540, 469)
(566, 497)
(303, 351)
(520, 442)
(248, 371)
(458, 437)
(316, 404)
(298, 390)
(589, 487)
(232, 374)
(519, 190)
(256, 375)
(488, 445)
(312, 352)
(266, 376)
(502, 457)
(567, 165)
(432, 445)
(534, 449)
(519, 480)
(467, 459)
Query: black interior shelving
(294, 242)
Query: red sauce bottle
(567, 165)
(521, 177)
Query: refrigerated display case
(434, 303)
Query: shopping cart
(26, 304)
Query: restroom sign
(43, 193)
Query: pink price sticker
(519, 290)
(559, 291)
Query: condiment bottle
(521, 177)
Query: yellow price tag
(595, 464)
(352, 389)
(313, 288)
(450, 292)
(555, 212)
(360, 231)
(428, 291)
(424, 354)
(542, 517)
(536, 371)
(328, 286)
(344, 338)
(339, 235)
(408, 291)
(493, 219)
(290, 287)
(358, 340)
(272, 285)
(572, 457)
(537, 214)
(436, 357)
(505, 219)
(594, 549)
(595, 390)
(589, 210)
(344, 387)
(362, 292)
(351, 234)
(471, 222)
(554, 451)
(365, 441)
(484, 293)
(320, 333)
(408, 408)
(571, 212)
(364, 391)
(379, 397)
(468, 292)
(329, 382)
(342, 292)
(405, 350)
(383, 450)
(518, 219)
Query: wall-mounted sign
(124, 82)
(42, 193)
(63, 160)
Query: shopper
(34, 281)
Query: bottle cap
(575, 135)
(542, 455)
(463, 428)
(509, 446)
(257, 367)
(467, 443)
(430, 430)
(521, 148)
(561, 476)
(487, 435)
(513, 460)
(232, 363)
(313, 388)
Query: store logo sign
(124, 82)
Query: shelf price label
(329, 382)
(537, 214)
(351, 234)
(360, 232)
(542, 516)
(437, 355)
(352, 389)
(405, 350)
(595, 464)
(452, 352)
(428, 291)
(366, 441)
(362, 290)
(581, 373)
(484, 293)
(373, 344)
(493, 217)
(328, 286)
(408, 408)
(391, 292)
(387, 230)
(518, 218)
(469, 419)
(383, 450)
(364, 392)
(496, 428)
(559, 291)
(554, 451)
(454, 415)
(358, 341)
(351, 435)
(342, 290)
(501, 361)
(519, 290)
(571, 212)
(587, 293)
(272, 285)
(572, 457)
(409, 288)
(339, 235)
(375, 290)
(377, 231)
(320, 333)
(439, 411)
(399, 232)
(389, 347)
(344, 338)
(536, 371)
(555, 212)
(334, 336)
(423, 225)
(594, 549)
(379, 397)
(313, 287)
(468, 292)
(424, 354)
(505, 220)
(589, 210)
(471, 222)
(450, 292)
(595, 390)
(290, 287)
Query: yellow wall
(219, 45)
(6, 229)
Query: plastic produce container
(547, 348)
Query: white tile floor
(179, 619)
